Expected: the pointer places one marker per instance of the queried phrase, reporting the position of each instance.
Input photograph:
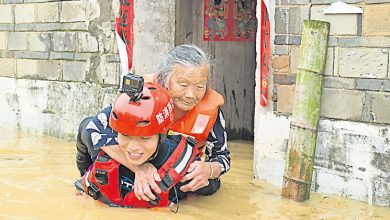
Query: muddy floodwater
(37, 175)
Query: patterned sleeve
(100, 131)
(216, 146)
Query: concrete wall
(59, 61)
(154, 33)
(353, 147)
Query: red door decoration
(264, 54)
(230, 20)
(124, 29)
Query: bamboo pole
(306, 111)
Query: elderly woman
(185, 73)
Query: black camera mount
(132, 85)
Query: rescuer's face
(138, 149)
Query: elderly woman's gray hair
(186, 55)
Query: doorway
(234, 69)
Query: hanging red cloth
(264, 54)
(125, 34)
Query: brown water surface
(37, 175)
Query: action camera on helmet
(132, 85)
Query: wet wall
(353, 143)
(59, 59)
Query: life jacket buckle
(101, 177)
(94, 191)
(191, 141)
(156, 201)
(166, 182)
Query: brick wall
(353, 138)
(59, 63)
(357, 70)
(59, 60)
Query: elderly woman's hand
(145, 181)
(199, 173)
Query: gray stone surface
(339, 83)
(342, 104)
(154, 32)
(25, 27)
(113, 58)
(380, 107)
(86, 42)
(39, 41)
(17, 41)
(48, 12)
(363, 62)
(84, 56)
(321, 2)
(31, 55)
(328, 66)
(332, 41)
(12, 1)
(359, 25)
(290, 20)
(369, 84)
(382, 41)
(294, 59)
(294, 2)
(73, 11)
(386, 86)
(73, 26)
(50, 70)
(64, 41)
(289, 40)
(24, 13)
(7, 67)
(74, 71)
(280, 50)
(331, 154)
(35, 1)
(3, 40)
(284, 79)
(42, 105)
(381, 190)
(7, 27)
(27, 68)
(108, 73)
(61, 55)
(6, 14)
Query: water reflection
(37, 175)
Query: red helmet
(150, 115)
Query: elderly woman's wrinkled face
(187, 86)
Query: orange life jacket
(200, 120)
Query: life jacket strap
(95, 193)
(171, 176)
